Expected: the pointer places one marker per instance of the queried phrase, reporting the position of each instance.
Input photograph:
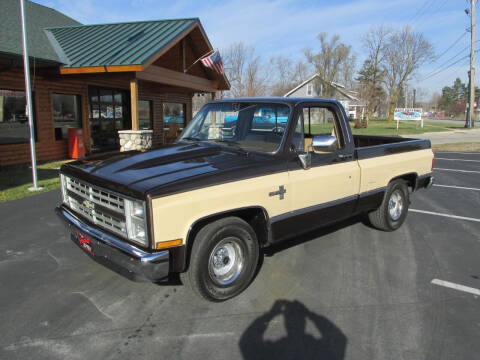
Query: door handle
(345, 156)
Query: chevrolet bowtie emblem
(281, 192)
(88, 204)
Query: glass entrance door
(109, 113)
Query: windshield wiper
(190, 138)
(230, 143)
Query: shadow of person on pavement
(297, 344)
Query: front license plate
(85, 243)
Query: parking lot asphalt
(344, 292)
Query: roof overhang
(100, 69)
(220, 80)
(161, 75)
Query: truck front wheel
(394, 208)
(223, 259)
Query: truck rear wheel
(223, 259)
(394, 208)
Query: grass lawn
(383, 127)
(16, 179)
(469, 146)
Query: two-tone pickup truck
(205, 205)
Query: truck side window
(320, 121)
(298, 135)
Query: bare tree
(244, 70)
(255, 79)
(286, 74)
(434, 101)
(333, 62)
(405, 51)
(372, 75)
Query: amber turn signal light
(167, 244)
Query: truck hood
(164, 170)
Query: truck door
(328, 190)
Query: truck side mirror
(324, 143)
(305, 159)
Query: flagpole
(28, 92)
(200, 58)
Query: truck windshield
(250, 126)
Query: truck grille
(97, 205)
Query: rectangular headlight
(63, 186)
(135, 216)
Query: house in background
(137, 77)
(312, 87)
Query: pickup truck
(205, 205)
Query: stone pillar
(135, 139)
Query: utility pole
(28, 92)
(471, 109)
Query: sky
(288, 27)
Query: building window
(14, 126)
(66, 114)
(309, 89)
(144, 114)
(110, 112)
(173, 113)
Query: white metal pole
(28, 91)
(472, 68)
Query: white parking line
(464, 171)
(457, 159)
(455, 152)
(444, 215)
(458, 287)
(457, 187)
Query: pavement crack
(93, 303)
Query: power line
(450, 59)
(451, 46)
(446, 68)
(452, 71)
(462, 52)
(421, 10)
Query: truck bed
(367, 146)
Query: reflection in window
(173, 113)
(240, 125)
(272, 118)
(108, 114)
(66, 114)
(145, 115)
(14, 126)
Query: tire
(223, 259)
(394, 208)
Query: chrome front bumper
(116, 254)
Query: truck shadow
(326, 341)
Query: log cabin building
(136, 78)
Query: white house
(312, 87)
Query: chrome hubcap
(395, 205)
(226, 262)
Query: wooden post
(134, 102)
(184, 67)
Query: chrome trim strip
(142, 255)
(312, 208)
(373, 192)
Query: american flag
(214, 62)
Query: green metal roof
(38, 17)
(130, 43)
